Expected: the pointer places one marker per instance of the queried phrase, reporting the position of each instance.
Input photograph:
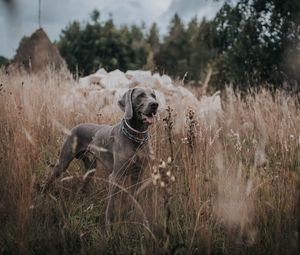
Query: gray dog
(121, 148)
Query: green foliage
(252, 43)
(3, 61)
(102, 44)
(254, 38)
(173, 55)
(202, 48)
(153, 38)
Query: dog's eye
(141, 95)
(153, 95)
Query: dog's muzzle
(148, 116)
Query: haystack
(37, 52)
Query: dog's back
(82, 135)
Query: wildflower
(169, 160)
(156, 176)
(155, 170)
(184, 140)
(90, 207)
(162, 174)
(162, 164)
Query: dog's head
(139, 104)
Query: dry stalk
(191, 130)
(163, 177)
(169, 122)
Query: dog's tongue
(148, 119)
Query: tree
(153, 43)
(69, 46)
(153, 38)
(173, 55)
(139, 47)
(202, 49)
(3, 61)
(191, 32)
(254, 38)
(252, 43)
(95, 16)
(102, 44)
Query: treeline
(3, 61)
(253, 43)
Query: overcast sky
(20, 17)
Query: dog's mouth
(148, 118)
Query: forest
(251, 44)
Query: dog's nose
(153, 105)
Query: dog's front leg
(114, 182)
(110, 205)
(135, 180)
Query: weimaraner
(121, 148)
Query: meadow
(230, 188)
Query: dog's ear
(126, 105)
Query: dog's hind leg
(90, 167)
(67, 154)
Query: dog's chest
(141, 158)
(138, 159)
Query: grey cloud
(193, 7)
(189, 9)
(135, 4)
(186, 7)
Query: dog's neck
(136, 124)
(137, 136)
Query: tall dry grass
(235, 189)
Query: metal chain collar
(134, 135)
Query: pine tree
(173, 56)
(153, 38)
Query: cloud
(189, 9)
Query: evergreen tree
(252, 43)
(191, 32)
(3, 61)
(254, 38)
(153, 42)
(153, 38)
(102, 44)
(203, 49)
(69, 46)
(173, 55)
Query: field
(235, 187)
